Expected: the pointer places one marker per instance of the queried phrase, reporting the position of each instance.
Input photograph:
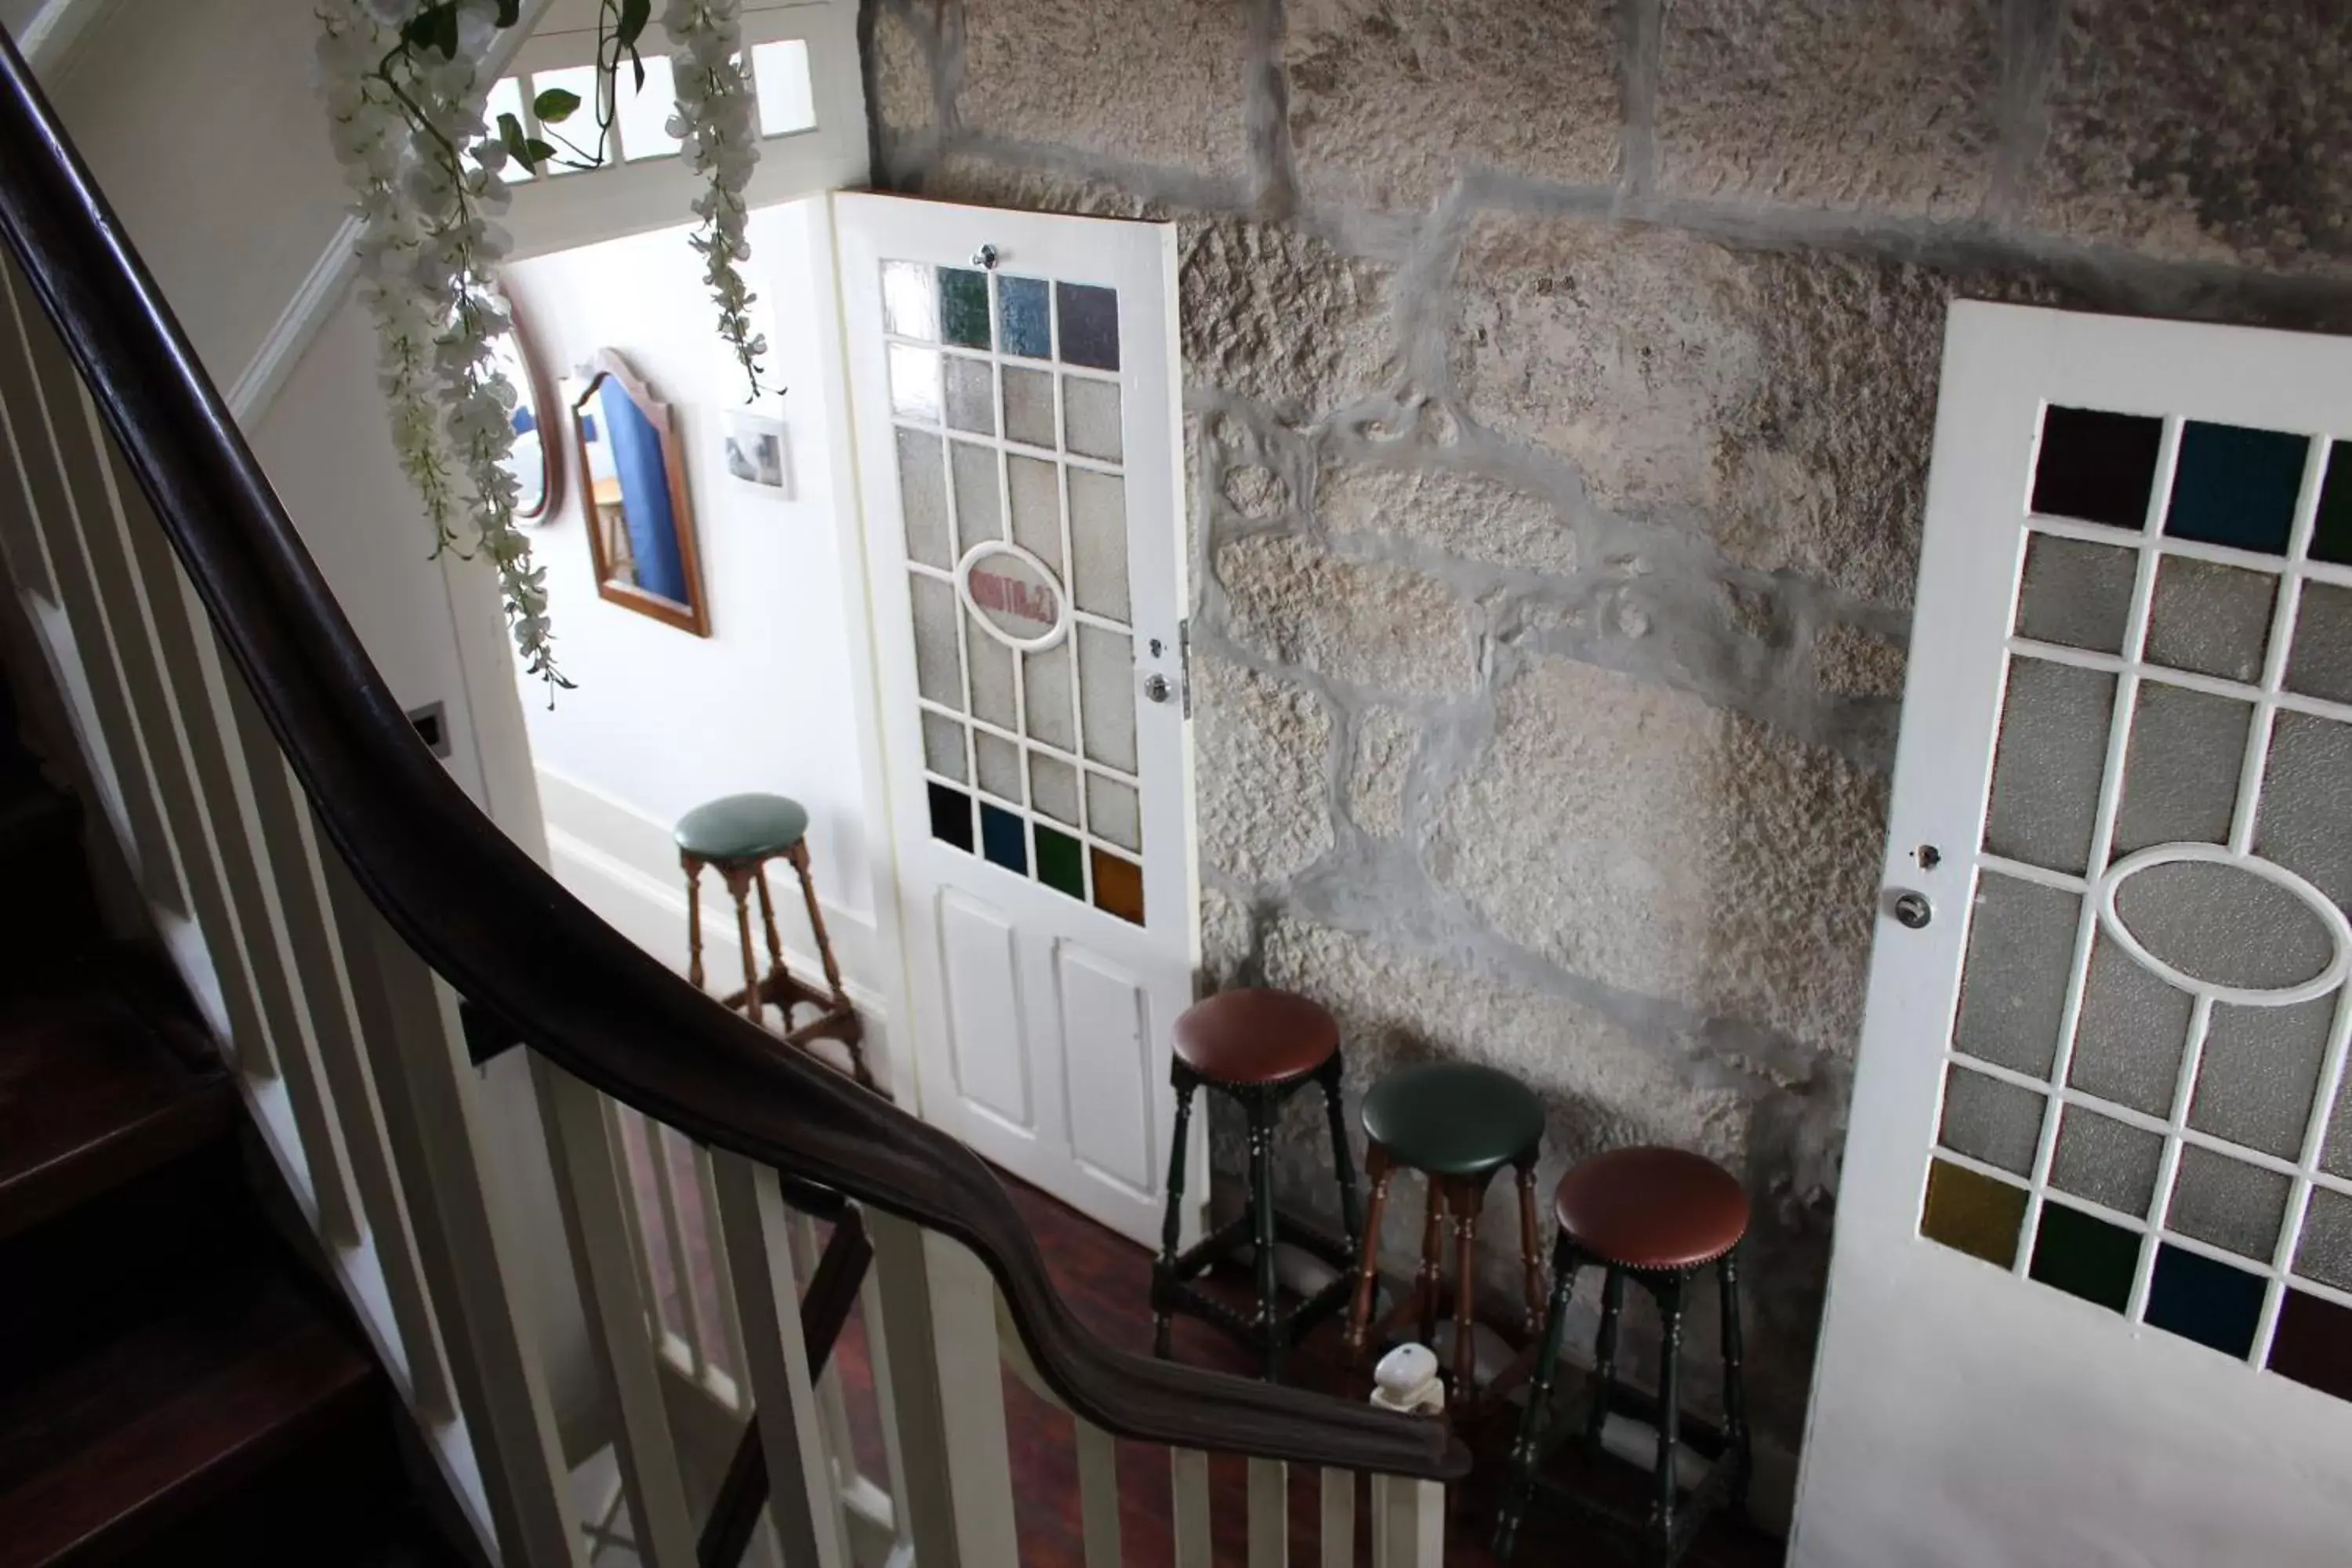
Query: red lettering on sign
(1009, 595)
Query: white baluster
(1269, 1514)
(1097, 1492)
(1339, 1542)
(1408, 1516)
(1188, 1481)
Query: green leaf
(445, 30)
(554, 106)
(509, 12)
(541, 151)
(639, 66)
(635, 15)
(423, 30)
(517, 148)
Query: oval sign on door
(1013, 594)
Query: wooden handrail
(496, 925)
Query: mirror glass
(532, 459)
(633, 486)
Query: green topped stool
(1457, 1123)
(739, 834)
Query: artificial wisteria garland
(400, 79)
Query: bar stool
(1656, 1217)
(1457, 1123)
(1260, 1047)
(739, 835)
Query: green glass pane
(1061, 864)
(2086, 1256)
(1972, 1213)
(963, 307)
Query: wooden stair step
(98, 1455)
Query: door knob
(1156, 688)
(1913, 910)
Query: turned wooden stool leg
(1172, 1228)
(693, 869)
(1537, 1417)
(1430, 1286)
(1330, 1075)
(1261, 1151)
(1378, 1170)
(1465, 1198)
(799, 856)
(1604, 1356)
(1530, 1254)
(775, 941)
(1663, 1510)
(738, 882)
(1734, 1389)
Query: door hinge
(1184, 663)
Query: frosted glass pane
(2324, 1251)
(2258, 1072)
(2306, 801)
(2180, 775)
(2013, 988)
(1988, 1120)
(978, 514)
(1036, 488)
(910, 303)
(643, 116)
(2046, 770)
(1106, 692)
(1029, 406)
(2105, 1161)
(1090, 417)
(943, 746)
(1054, 786)
(915, 382)
(2127, 1043)
(2221, 924)
(939, 668)
(992, 677)
(2320, 662)
(2227, 1203)
(2076, 593)
(1051, 716)
(923, 499)
(971, 395)
(780, 79)
(1114, 813)
(1098, 541)
(2215, 620)
(2336, 1150)
(998, 760)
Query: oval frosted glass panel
(1107, 695)
(2258, 1072)
(2180, 775)
(943, 746)
(971, 395)
(2013, 986)
(991, 679)
(1014, 597)
(2047, 765)
(2128, 1040)
(1029, 406)
(1090, 417)
(2223, 925)
(2105, 1161)
(1988, 1120)
(910, 307)
(2320, 663)
(1035, 487)
(938, 666)
(978, 506)
(2214, 619)
(1099, 543)
(915, 383)
(1053, 786)
(1113, 812)
(923, 499)
(2075, 593)
(1052, 716)
(2308, 800)
(2227, 1203)
(2324, 1251)
(999, 762)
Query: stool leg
(1604, 1357)
(799, 856)
(1670, 1414)
(1734, 1393)
(1261, 1150)
(775, 941)
(1530, 1251)
(1378, 1170)
(738, 882)
(693, 869)
(1171, 1229)
(1430, 1284)
(1329, 1074)
(1465, 1201)
(1533, 1420)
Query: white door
(1014, 378)
(2090, 1297)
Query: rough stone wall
(1560, 381)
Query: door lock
(1912, 910)
(1156, 688)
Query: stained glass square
(1118, 886)
(1991, 1120)
(963, 307)
(2047, 763)
(2013, 986)
(2210, 618)
(2227, 1203)
(2201, 1299)
(2314, 1344)
(2331, 538)
(910, 307)
(2324, 1252)
(2236, 487)
(1061, 863)
(2085, 1255)
(1003, 839)
(2076, 593)
(2096, 465)
(915, 383)
(1970, 1212)
(1089, 325)
(2105, 1161)
(1023, 317)
(971, 395)
(951, 816)
(2319, 662)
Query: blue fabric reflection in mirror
(645, 494)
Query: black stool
(1260, 1048)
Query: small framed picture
(752, 446)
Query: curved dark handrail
(493, 923)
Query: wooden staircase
(174, 1388)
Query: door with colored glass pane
(2091, 1294)
(1014, 380)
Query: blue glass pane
(951, 816)
(2198, 1299)
(1025, 323)
(2332, 540)
(1089, 325)
(2236, 487)
(1003, 839)
(963, 307)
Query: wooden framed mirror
(632, 495)
(536, 460)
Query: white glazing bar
(1097, 1493)
(1188, 1479)
(1269, 1514)
(1337, 1539)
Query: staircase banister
(493, 923)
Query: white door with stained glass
(1014, 378)
(2091, 1295)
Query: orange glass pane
(1973, 1213)
(1118, 886)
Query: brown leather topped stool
(1259, 1046)
(1656, 1217)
